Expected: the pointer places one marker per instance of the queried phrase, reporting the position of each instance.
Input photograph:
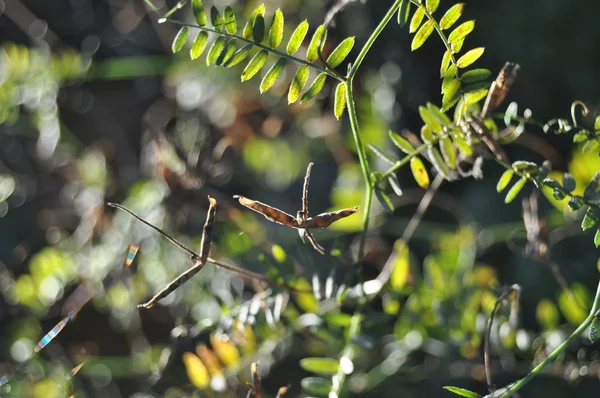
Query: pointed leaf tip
(422, 35)
(314, 88)
(180, 39)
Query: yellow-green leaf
(199, 44)
(298, 83)
(384, 200)
(306, 300)
(461, 32)
(514, 191)
(597, 238)
(427, 134)
(475, 96)
(316, 386)
(227, 52)
(430, 120)
(316, 44)
(249, 27)
(445, 62)
(462, 143)
(225, 348)
(196, 370)
(590, 219)
(180, 39)
(401, 270)
(452, 15)
(340, 100)
(416, 20)
(475, 75)
(258, 29)
(215, 50)
(272, 74)
(340, 53)
(403, 12)
(297, 38)
(229, 20)
(324, 366)
(448, 152)
(314, 88)
(419, 172)
(432, 5)
(276, 30)
(198, 11)
(254, 65)
(437, 113)
(469, 57)
(401, 142)
(438, 162)
(457, 45)
(422, 35)
(239, 56)
(504, 180)
(215, 18)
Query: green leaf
(452, 15)
(445, 62)
(340, 53)
(475, 75)
(416, 20)
(384, 200)
(461, 143)
(448, 152)
(427, 134)
(276, 30)
(451, 94)
(272, 74)
(298, 83)
(297, 38)
(470, 57)
(432, 5)
(419, 172)
(215, 50)
(316, 44)
(462, 392)
(199, 44)
(249, 27)
(316, 386)
(403, 12)
(514, 191)
(229, 20)
(383, 155)
(597, 238)
(595, 330)
(395, 184)
(315, 88)
(597, 123)
(475, 96)
(437, 113)
(324, 366)
(422, 35)
(340, 100)
(401, 142)
(258, 29)
(199, 14)
(239, 56)
(255, 64)
(461, 32)
(227, 52)
(504, 180)
(430, 120)
(180, 39)
(457, 45)
(401, 270)
(590, 219)
(215, 18)
(449, 76)
(438, 162)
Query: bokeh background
(94, 107)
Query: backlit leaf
(419, 172)
(180, 39)
(276, 30)
(384, 200)
(239, 56)
(403, 12)
(451, 95)
(416, 20)
(401, 270)
(457, 45)
(448, 152)
(258, 29)
(254, 65)
(422, 35)
(475, 75)
(215, 50)
(315, 87)
(298, 83)
(432, 5)
(272, 74)
(427, 134)
(514, 191)
(229, 20)
(597, 238)
(199, 44)
(401, 142)
(297, 38)
(316, 44)
(462, 392)
(438, 161)
(199, 14)
(437, 113)
(324, 366)
(469, 57)
(215, 18)
(340, 100)
(340, 53)
(227, 52)
(475, 96)
(445, 62)
(504, 180)
(590, 219)
(462, 143)
(461, 31)
(305, 299)
(431, 121)
(196, 370)
(452, 15)
(449, 76)
(249, 27)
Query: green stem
(367, 46)
(519, 384)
